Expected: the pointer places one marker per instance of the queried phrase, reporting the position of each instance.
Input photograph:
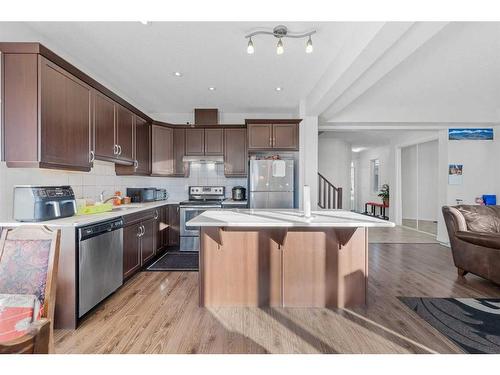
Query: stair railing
(329, 196)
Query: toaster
(40, 203)
(161, 195)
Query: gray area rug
(471, 323)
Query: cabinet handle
(92, 156)
(156, 215)
(143, 230)
(115, 149)
(119, 149)
(139, 233)
(136, 164)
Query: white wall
(103, 177)
(334, 162)
(427, 180)
(481, 173)
(363, 174)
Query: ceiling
(140, 60)
(381, 74)
(430, 73)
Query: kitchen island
(281, 258)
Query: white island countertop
(284, 218)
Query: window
(375, 170)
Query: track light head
(250, 47)
(309, 45)
(279, 47)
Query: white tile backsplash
(103, 177)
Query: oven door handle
(197, 208)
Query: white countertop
(80, 220)
(284, 218)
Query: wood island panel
(325, 268)
(244, 271)
(294, 267)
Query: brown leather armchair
(474, 233)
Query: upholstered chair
(474, 233)
(28, 272)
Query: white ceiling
(140, 59)
(451, 76)
(402, 74)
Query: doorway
(419, 187)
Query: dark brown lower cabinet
(143, 239)
(147, 238)
(131, 249)
(161, 236)
(174, 225)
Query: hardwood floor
(399, 234)
(157, 312)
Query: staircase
(329, 196)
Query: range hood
(204, 159)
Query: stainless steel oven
(201, 198)
(190, 237)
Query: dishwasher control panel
(99, 228)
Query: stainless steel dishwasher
(100, 262)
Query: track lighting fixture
(280, 32)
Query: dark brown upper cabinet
(142, 146)
(47, 115)
(104, 126)
(235, 152)
(56, 116)
(124, 133)
(141, 152)
(204, 141)
(168, 149)
(260, 136)
(162, 151)
(214, 142)
(286, 136)
(195, 142)
(181, 169)
(280, 135)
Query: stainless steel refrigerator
(271, 183)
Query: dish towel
(279, 168)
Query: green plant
(384, 192)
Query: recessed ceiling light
(211, 88)
(279, 89)
(147, 23)
(178, 74)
